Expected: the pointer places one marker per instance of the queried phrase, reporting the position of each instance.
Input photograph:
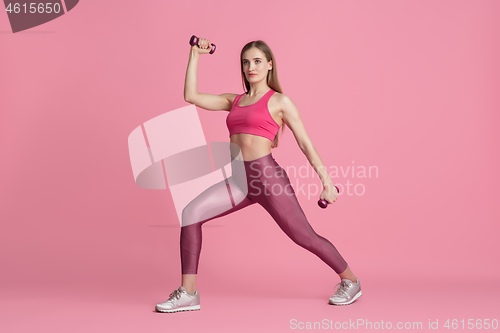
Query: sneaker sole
(347, 303)
(186, 308)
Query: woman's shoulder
(282, 99)
(285, 104)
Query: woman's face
(255, 65)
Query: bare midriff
(252, 146)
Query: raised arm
(191, 94)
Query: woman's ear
(270, 64)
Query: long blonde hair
(272, 75)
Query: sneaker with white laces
(180, 300)
(346, 293)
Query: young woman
(254, 120)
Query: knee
(300, 231)
(307, 240)
(189, 216)
(302, 240)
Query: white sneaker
(180, 300)
(346, 293)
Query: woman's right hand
(203, 46)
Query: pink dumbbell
(323, 203)
(194, 41)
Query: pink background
(408, 86)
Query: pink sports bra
(252, 119)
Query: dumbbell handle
(194, 41)
(323, 203)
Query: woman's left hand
(329, 193)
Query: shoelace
(342, 290)
(174, 294)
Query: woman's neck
(258, 89)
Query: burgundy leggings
(266, 183)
